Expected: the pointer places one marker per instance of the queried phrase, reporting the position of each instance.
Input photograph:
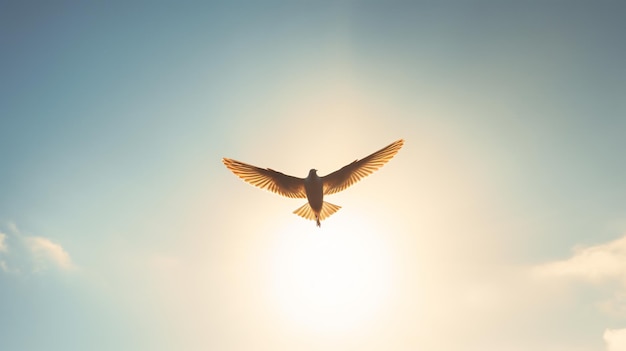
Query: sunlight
(333, 278)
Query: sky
(500, 225)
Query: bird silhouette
(314, 187)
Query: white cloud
(615, 339)
(45, 251)
(603, 265)
(3, 245)
(595, 263)
(3, 249)
(30, 253)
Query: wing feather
(355, 171)
(266, 178)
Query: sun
(332, 278)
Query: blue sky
(498, 226)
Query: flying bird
(313, 187)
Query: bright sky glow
(335, 281)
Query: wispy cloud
(3, 245)
(21, 252)
(604, 266)
(45, 251)
(615, 339)
(597, 264)
(3, 249)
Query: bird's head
(313, 172)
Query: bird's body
(313, 187)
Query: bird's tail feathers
(328, 209)
(305, 211)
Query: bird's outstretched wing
(352, 173)
(269, 179)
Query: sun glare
(333, 278)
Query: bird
(314, 187)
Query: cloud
(3, 249)
(615, 339)
(26, 253)
(3, 245)
(604, 266)
(45, 251)
(596, 264)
